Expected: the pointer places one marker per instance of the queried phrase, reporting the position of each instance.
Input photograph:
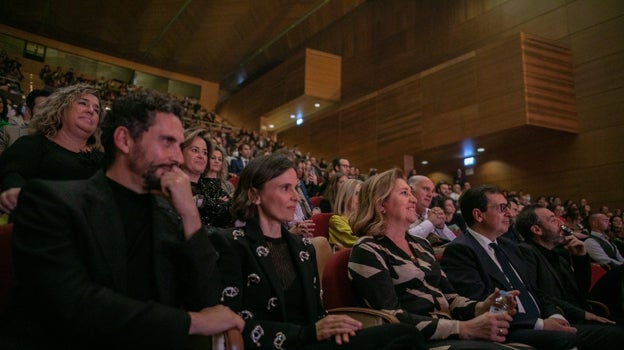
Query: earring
(383, 210)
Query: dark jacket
(474, 275)
(252, 286)
(557, 280)
(71, 261)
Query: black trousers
(394, 336)
(588, 336)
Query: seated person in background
(10, 133)
(270, 276)
(329, 196)
(345, 206)
(512, 232)
(549, 265)
(397, 273)
(610, 288)
(108, 262)
(216, 170)
(429, 223)
(213, 202)
(481, 261)
(574, 221)
(598, 245)
(616, 233)
(452, 219)
(62, 144)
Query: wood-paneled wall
(383, 42)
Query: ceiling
(229, 42)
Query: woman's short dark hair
(254, 176)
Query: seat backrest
(597, 272)
(337, 290)
(6, 265)
(234, 180)
(321, 224)
(316, 201)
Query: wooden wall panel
(383, 43)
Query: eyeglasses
(500, 207)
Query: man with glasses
(480, 261)
(341, 165)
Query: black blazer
(70, 261)
(473, 274)
(563, 286)
(251, 286)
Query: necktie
(530, 307)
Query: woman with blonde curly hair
(63, 144)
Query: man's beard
(150, 180)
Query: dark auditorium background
(538, 84)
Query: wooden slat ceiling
(223, 41)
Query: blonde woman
(345, 205)
(217, 171)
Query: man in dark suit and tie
(120, 260)
(479, 261)
(239, 163)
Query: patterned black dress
(212, 209)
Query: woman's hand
(341, 327)
(303, 228)
(8, 199)
(488, 326)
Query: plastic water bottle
(501, 303)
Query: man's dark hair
(136, 112)
(30, 99)
(526, 219)
(240, 147)
(475, 198)
(335, 163)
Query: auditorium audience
(270, 276)
(110, 262)
(62, 145)
(10, 133)
(398, 273)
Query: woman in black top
(62, 145)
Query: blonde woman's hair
(48, 118)
(223, 174)
(368, 221)
(346, 191)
